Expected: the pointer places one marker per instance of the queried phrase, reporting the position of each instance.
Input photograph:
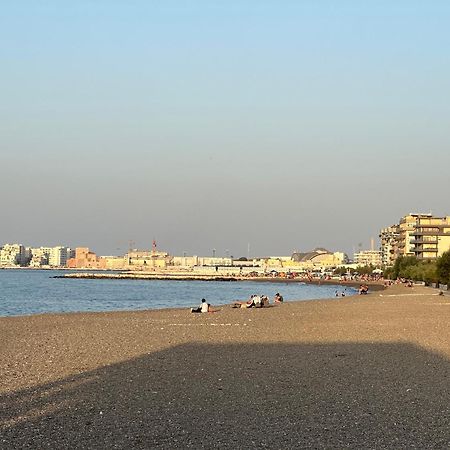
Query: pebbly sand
(358, 372)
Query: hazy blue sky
(214, 124)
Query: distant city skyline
(206, 125)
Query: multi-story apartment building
(39, 257)
(431, 237)
(49, 256)
(389, 238)
(12, 255)
(406, 227)
(368, 258)
(58, 256)
(421, 235)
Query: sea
(25, 292)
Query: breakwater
(374, 286)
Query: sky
(244, 128)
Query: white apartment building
(39, 257)
(49, 256)
(389, 238)
(12, 255)
(368, 258)
(58, 256)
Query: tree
(443, 268)
(401, 266)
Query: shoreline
(375, 286)
(220, 304)
(310, 374)
(174, 308)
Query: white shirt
(204, 307)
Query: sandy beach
(358, 372)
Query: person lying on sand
(255, 301)
(244, 304)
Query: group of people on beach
(255, 301)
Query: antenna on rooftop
(153, 246)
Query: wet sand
(357, 372)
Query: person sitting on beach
(203, 308)
(278, 298)
(264, 301)
(257, 301)
(363, 289)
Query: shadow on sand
(242, 396)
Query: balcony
(425, 233)
(424, 240)
(424, 250)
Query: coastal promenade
(357, 372)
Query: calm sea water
(24, 292)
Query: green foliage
(361, 270)
(340, 271)
(443, 268)
(365, 270)
(388, 273)
(401, 266)
(411, 268)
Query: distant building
(58, 256)
(431, 237)
(319, 257)
(421, 235)
(201, 261)
(49, 256)
(39, 257)
(406, 227)
(13, 255)
(143, 259)
(389, 238)
(113, 262)
(85, 259)
(368, 258)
